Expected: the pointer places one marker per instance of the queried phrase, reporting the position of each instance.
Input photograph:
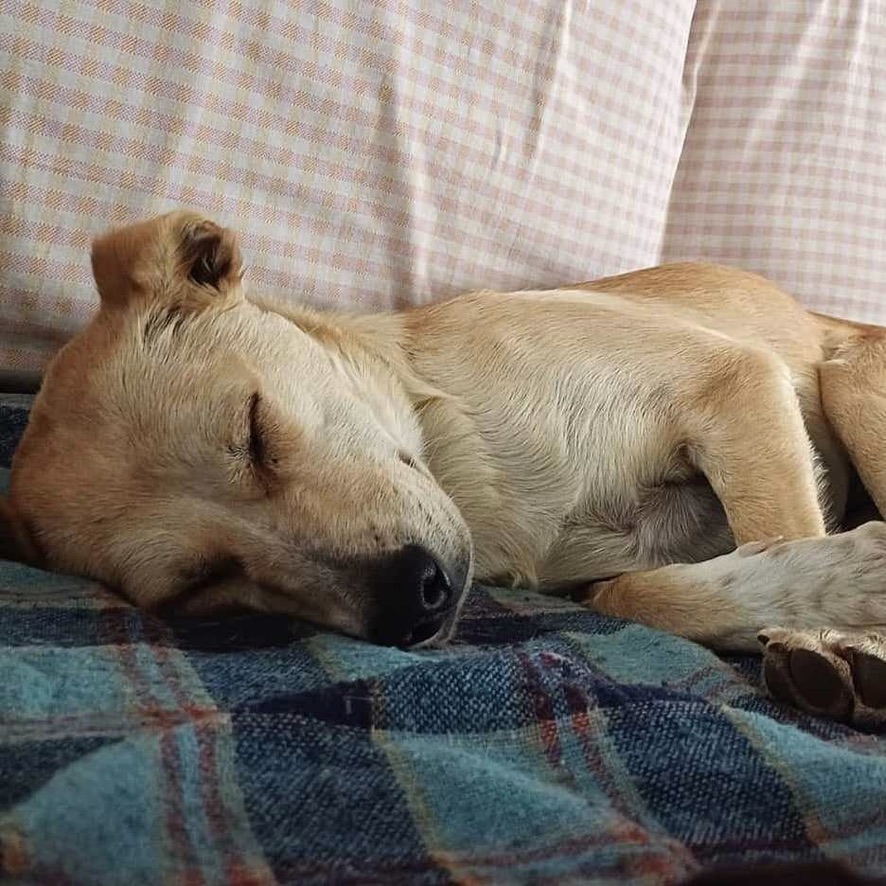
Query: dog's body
(619, 438)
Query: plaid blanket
(546, 745)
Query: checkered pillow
(372, 154)
(784, 165)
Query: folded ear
(15, 541)
(210, 255)
(167, 257)
(117, 257)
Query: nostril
(423, 576)
(435, 589)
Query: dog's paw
(835, 674)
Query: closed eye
(256, 446)
(255, 449)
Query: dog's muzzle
(416, 596)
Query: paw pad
(869, 672)
(828, 673)
(819, 682)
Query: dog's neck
(383, 337)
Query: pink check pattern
(393, 152)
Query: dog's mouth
(432, 632)
(428, 633)
(398, 622)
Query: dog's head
(200, 452)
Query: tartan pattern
(547, 744)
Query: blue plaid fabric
(547, 744)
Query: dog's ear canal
(211, 256)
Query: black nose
(413, 593)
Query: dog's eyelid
(256, 443)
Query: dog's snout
(415, 594)
(417, 572)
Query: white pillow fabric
(784, 166)
(373, 154)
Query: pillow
(371, 154)
(784, 166)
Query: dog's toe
(799, 669)
(869, 673)
(828, 673)
(776, 675)
(821, 682)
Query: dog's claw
(828, 673)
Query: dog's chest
(641, 522)
(581, 493)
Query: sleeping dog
(670, 446)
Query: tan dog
(669, 444)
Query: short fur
(670, 445)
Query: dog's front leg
(745, 432)
(730, 603)
(838, 581)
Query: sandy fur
(621, 437)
